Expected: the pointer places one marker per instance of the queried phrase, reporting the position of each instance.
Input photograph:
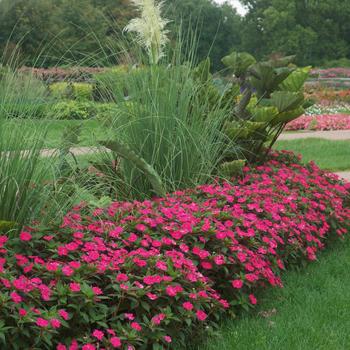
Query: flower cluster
(327, 96)
(135, 275)
(321, 122)
(319, 109)
(337, 72)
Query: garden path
(328, 135)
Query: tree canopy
(84, 30)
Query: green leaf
(239, 62)
(286, 101)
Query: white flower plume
(150, 28)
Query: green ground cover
(311, 312)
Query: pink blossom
(252, 299)
(237, 284)
(64, 314)
(116, 342)
(122, 277)
(41, 322)
(201, 315)
(55, 323)
(136, 326)
(167, 338)
(98, 334)
(74, 287)
(16, 298)
(25, 236)
(187, 306)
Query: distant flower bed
(331, 73)
(321, 122)
(56, 74)
(135, 275)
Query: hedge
(136, 275)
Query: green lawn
(311, 312)
(330, 155)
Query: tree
(316, 30)
(218, 27)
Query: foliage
(22, 192)
(302, 27)
(165, 124)
(111, 85)
(82, 110)
(262, 98)
(129, 275)
(22, 96)
(77, 91)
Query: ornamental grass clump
(140, 275)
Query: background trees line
(86, 30)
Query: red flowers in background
(136, 274)
(321, 122)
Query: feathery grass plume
(150, 28)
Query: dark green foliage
(262, 98)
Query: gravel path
(328, 135)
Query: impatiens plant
(321, 122)
(135, 275)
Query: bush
(82, 91)
(82, 110)
(341, 63)
(137, 275)
(76, 91)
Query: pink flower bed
(321, 122)
(337, 72)
(136, 275)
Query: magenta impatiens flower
(187, 306)
(116, 342)
(237, 284)
(136, 326)
(74, 287)
(55, 323)
(252, 299)
(201, 315)
(98, 334)
(25, 236)
(41, 322)
(64, 314)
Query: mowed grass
(329, 155)
(311, 312)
